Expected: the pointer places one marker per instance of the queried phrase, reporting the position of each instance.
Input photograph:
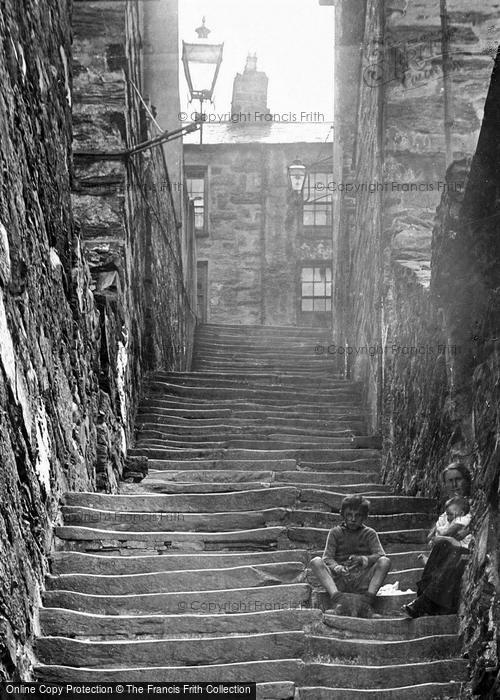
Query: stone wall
(130, 229)
(256, 241)
(91, 285)
(49, 329)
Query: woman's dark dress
(442, 577)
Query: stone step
(291, 365)
(422, 691)
(76, 562)
(363, 651)
(247, 330)
(238, 600)
(95, 540)
(70, 623)
(249, 426)
(290, 670)
(283, 392)
(152, 485)
(249, 438)
(154, 653)
(379, 505)
(194, 503)
(264, 409)
(258, 539)
(309, 456)
(188, 521)
(219, 430)
(387, 628)
(240, 378)
(217, 465)
(174, 581)
(355, 675)
(157, 440)
(67, 562)
(202, 475)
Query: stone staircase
(199, 572)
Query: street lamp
(201, 63)
(297, 176)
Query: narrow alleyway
(199, 572)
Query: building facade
(263, 252)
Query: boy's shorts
(356, 581)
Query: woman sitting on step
(438, 591)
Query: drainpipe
(447, 85)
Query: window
(317, 194)
(196, 186)
(316, 288)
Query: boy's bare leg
(381, 570)
(322, 572)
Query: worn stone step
(70, 623)
(279, 497)
(237, 379)
(287, 670)
(287, 411)
(362, 651)
(306, 456)
(308, 448)
(250, 439)
(92, 539)
(188, 521)
(154, 653)
(151, 485)
(203, 465)
(357, 464)
(76, 562)
(294, 393)
(385, 605)
(361, 676)
(226, 430)
(185, 580)
(215, 441)
(167, 522)
(378, 504)
(234, 475)
(238, 600)
(387, 628)
(422, 691)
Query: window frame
(326, 265)
(316, 207)
(198, 172)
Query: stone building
(264, 254)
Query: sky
(293, 40)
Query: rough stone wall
(125, 208)
(255, 241)
(83, 283)
(49, 330)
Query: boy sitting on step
(354, 560)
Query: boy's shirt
(342, 542)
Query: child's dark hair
(458, 501)
(359, 503)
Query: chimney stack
(250, 89)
